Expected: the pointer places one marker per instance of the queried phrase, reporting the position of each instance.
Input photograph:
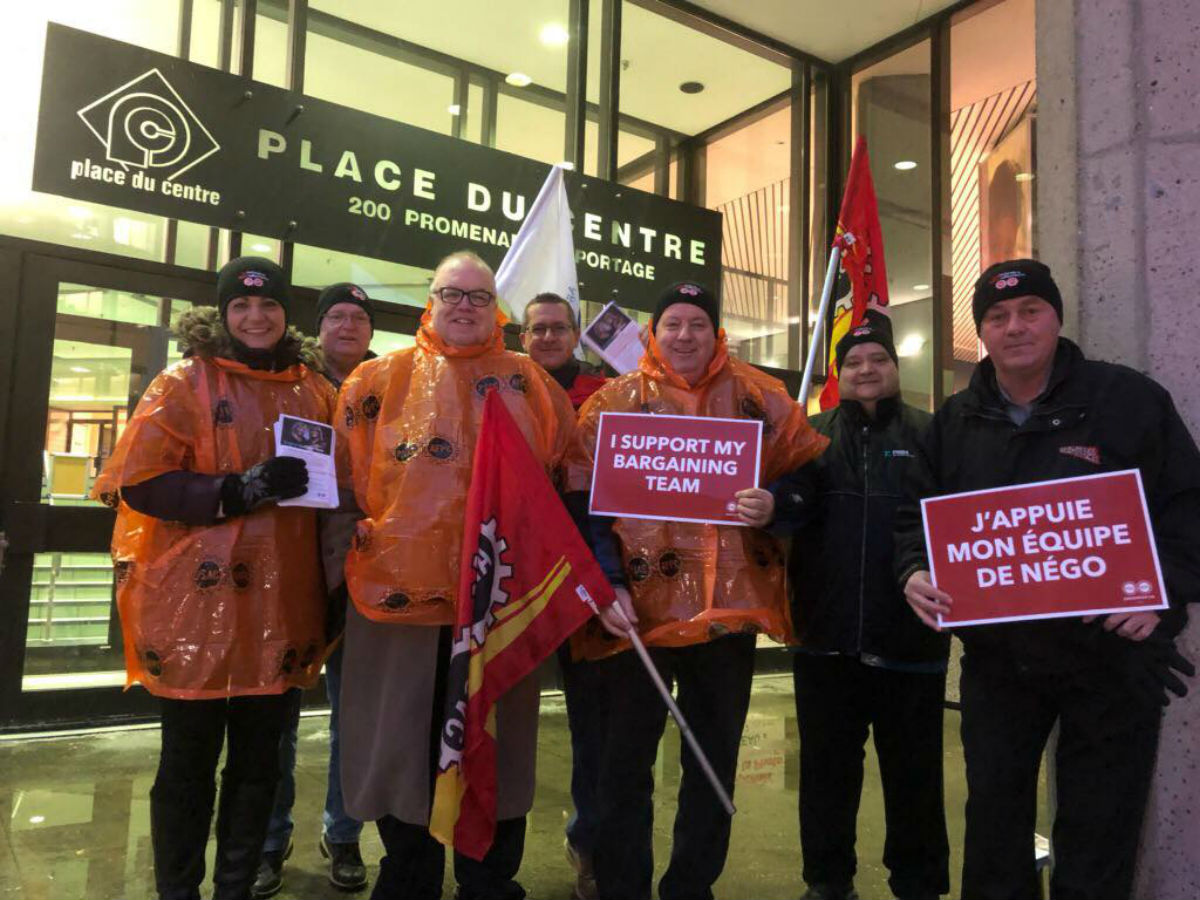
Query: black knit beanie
(251, 276)
(686, 292)
(1014, 278)
(875, 328)
(344, 292)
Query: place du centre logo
(150, 137)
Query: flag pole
(677, 715)
(835, 256)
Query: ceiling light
(82, 370)
(793, 320)
(920, 287)
(691, 87)
(905, 165)
(36, 820)
(554, 35)
(911, 345)
(260, 248)
(454, 109)
(518, 79)
(1024, 176)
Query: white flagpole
(835, 256)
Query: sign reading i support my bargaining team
(678, 468)
(1069, 547)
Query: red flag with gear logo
(861, 240)
(527, 582)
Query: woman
(219, 589)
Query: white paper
(312, 442)
(616, 338)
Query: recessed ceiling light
(905, 164)
(691, 87)
(519, 79)
(1024, 176)
(554, 35)
(36, 820)
(920, 287)
(260, 248)
(82, 370)
(454, 109)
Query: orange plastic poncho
(407, 424)
(234, 608)
(692, 582)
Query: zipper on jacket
(862, 560)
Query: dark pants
(838, 700)
(414, 862)
(181, 801)
(1107, 742)
(714, 682)
(587, 720)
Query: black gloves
(279, 478)
(1151, 666)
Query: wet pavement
(75, 811)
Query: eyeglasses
(541, 331)
(453, 296)
(355, 319)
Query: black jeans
(587, 718)
(181, 800)
(414, 863)
(838, 700)
(1107, 741)
(714, 694)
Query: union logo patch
(1087, 454)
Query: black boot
(242, 819)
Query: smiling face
(687, 339)
(868, 374)
(258, 322)
(1021, 335)
(462, 324)
(549, 336)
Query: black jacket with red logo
(1093, 417)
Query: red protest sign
(1070, 547)
(679, 468)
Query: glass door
(87, 341)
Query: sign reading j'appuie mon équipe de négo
(128, 127)
(676, 468)
(1067, 547)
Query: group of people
(231, 602)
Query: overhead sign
(128, 127)
(1069, 547)
(678, 468)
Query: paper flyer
(312, 442)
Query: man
(864, 663)
(698, 595)
(1036, 409)
(550, 336)
(407, 425)
(345, 325)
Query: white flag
(542, 256)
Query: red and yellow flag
(527, 582)
(861, 242)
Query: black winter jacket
(840, 509)
(1093, 417)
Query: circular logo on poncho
(350, 418)
(223, 412)
(110, 499)
(670, 564)
(405, 451)
(485, 384)
(716, 630)
(370, 406)
(240, 573)
(310, 656)
(121, 569)
(208, 575)
(639, 568)
(395, 601)
(750, 628)
(518, 383)
(440, 449)
(152, 663)
(287, 665)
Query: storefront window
(390, 282)
(891, 107)
(993, 100)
